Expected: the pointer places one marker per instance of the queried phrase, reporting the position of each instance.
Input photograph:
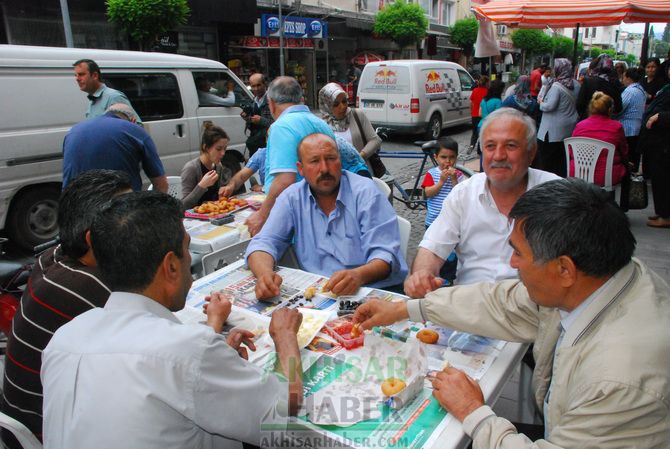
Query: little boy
(441, 179)
(437, 185)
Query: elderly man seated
(473, 220)
(340, 224)
(600, 321)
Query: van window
(155, 96)
(392, 80)
(466, 80)
(212, 89)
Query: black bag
(637, 194)
(378, 167)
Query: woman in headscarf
(351, 125)
(601, 77)
(521, 99)
(559, 117)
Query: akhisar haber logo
(433, 84)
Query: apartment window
(586, 33)
(593, 32)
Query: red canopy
(364, 58)
(570, 13)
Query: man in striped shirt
(633, 100)
(64, 284)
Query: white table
(450, 436)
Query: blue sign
(301, 27)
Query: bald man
(260, 118)
(113, 142)
(341, 226)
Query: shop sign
(167, 42)
(273, 42)
(297, 27)
(507, 45)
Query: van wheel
(33, 217)
(434, 128)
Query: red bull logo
(433, 77)
(385, 77)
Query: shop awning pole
(574, 49)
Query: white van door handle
(180, 130)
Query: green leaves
(404, 23)
(464, 33)
(144, 19)
(534, 41)
(564, 46)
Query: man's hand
(459, 394)
(284, 327)
(217, 308)
(344, 282)
(238, 336)
(255, 119)
(422, 282)
(380, 313)
(284, 323)
(226, 191)
(267, 285)
(257, 188)
(255, 222)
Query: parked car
(415, 96)
(41, 101)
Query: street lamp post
(281, 35)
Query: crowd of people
(96, 357)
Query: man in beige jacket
(600, 321)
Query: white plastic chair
(405, 231)
(383, 187)
(174, 186)
(21, 432)
(585, 153)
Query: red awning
(569, 13)
(364, 58)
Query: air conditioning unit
(321, 44)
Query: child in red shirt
(478, 93)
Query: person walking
(478, 94)
(601, 78)
(633, 101)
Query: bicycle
(415, 198)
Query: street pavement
(653, 245)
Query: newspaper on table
(342, 388)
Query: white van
(415, 96)
(41, 101)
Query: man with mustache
(473, 220)
(341, 226)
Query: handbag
(638, 197)
(378, 167)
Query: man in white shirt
(207, 98)
(473, 220)
(132, 375)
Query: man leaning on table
(473, 220)
(341, 226)
(132, 375)
(600, 321)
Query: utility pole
(67, 27)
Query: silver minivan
(415, 96)
(41, 101)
